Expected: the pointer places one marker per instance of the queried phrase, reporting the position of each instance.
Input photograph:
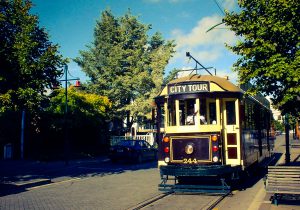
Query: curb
(32, 183)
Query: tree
(278, 126)
(86, 120)
(269, 49)
(125, 65)
(29, 62)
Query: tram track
(214, 204)
(151, 200)
(209, 204)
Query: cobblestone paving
(113, 191)
(97, 185)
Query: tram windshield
(192, 112)
(187, 112)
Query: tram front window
(171, 113)
(192, 112)
(212, 113)
(161, 116)
(187, 112)
(208, 111)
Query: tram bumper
(192, 173)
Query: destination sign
(188, 88)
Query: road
(99, 184)
(88, 186)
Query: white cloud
(229, 4)
(232, 76)
(198, 35)
(206, 47)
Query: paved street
(82, 185)
(98, 184)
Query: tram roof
(222, 82)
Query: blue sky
(70, 24)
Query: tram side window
(171, 113)
(187, 112)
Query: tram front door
(231, 131)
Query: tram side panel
(256, 144)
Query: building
(276, 113)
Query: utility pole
(287, 140)
(66, 127)
(22, 133)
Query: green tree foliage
(172, 74)
(79, 102)
(87, 128)
(278, 126)
(269, 49)
(125, 65)
(29, 62)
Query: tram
(208, 127)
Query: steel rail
(214, 204)
(149, 201)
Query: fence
(116, 139)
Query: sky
(71, 23)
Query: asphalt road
(98, 184)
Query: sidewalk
(280, 148)
(255, 197)
(294, 150)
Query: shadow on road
(17, 176)
(258, 171)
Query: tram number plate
(189, 160)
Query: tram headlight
(215, 159)
(167, 159)
(189, 149)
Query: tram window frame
(178, 111)
(187, 111)
(212, 115)
(207, 115)
(171, 106)
(230, 113)
(203, 111)
(161, 115)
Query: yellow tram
(208, 127)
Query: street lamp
(77, 84)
